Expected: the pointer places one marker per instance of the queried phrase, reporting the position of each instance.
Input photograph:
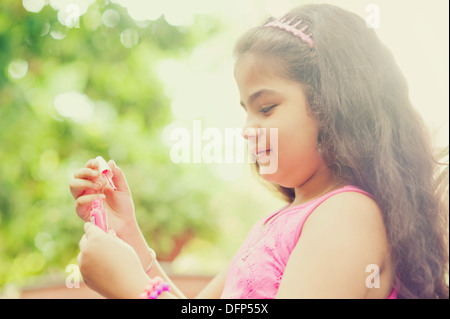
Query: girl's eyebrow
(257, 95)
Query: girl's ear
(326, 151)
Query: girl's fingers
(85, 201)
(88, 229)
(92, 163)
(82, 242)
(79, 186)
(86, 173)
(118, 178)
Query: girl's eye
(266, 109)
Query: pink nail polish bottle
(98, 214)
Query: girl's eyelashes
(267, 109)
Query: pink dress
(257, 268)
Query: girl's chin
(277, 178)
(271, 177)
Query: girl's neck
(322, 182)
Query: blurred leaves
(70, 94)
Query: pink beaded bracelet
(154, 288)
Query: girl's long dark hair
(370, 134)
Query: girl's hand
(109, 265)
(88, 184)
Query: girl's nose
(251, 133)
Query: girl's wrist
(136, 284)
(128, 229)
(133, 236)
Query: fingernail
(98, 185)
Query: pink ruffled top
(257, 268)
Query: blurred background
(82, 78)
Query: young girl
(364, 218)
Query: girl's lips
(257, 152)
(262, 156)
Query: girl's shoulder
(342, 237)
(349, 208)
(348, 205)
(349, 222)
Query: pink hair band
(287, 26)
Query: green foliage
(40, 147)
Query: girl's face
(272, 101)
